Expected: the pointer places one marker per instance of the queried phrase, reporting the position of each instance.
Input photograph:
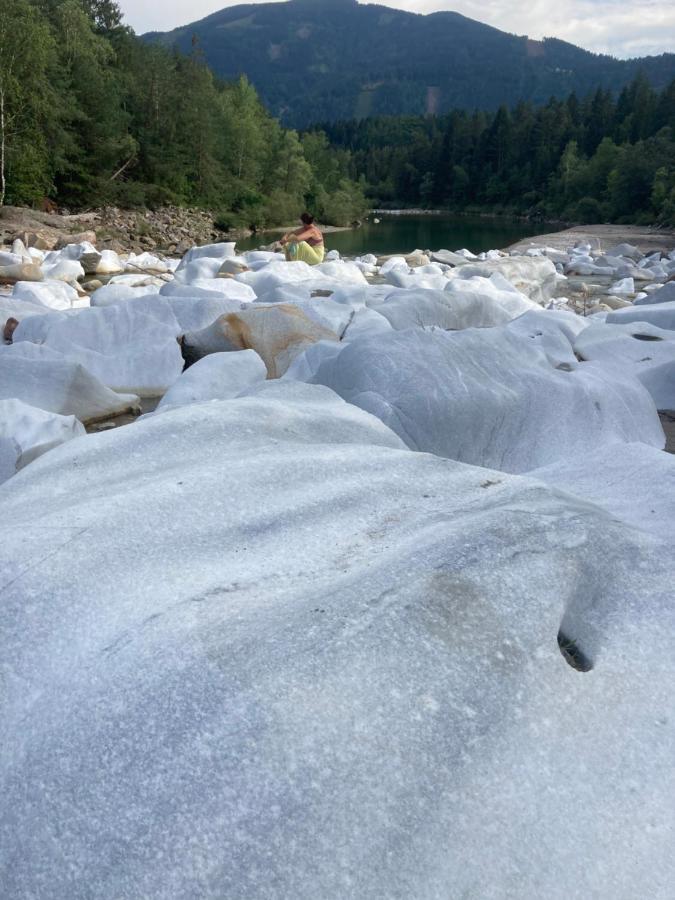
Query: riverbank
(601, 238)
(170, 230)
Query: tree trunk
(3, 185)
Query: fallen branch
(124, 167)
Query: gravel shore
(602, 237)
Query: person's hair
(307, 219)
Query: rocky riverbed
(372, 588)
(171, 230)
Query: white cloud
(604, 26)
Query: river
(404, 233)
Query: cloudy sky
(619, 27)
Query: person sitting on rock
(10, 327)
(305, 244)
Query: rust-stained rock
(278, 333)
(414, 259)
(41, 240)
(20, 272)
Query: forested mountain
(325, 60)
(593, 159)
(91, 115)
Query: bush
(586, 211)
(343, 206)
(129, 195)
(281, 208)
(157, 197)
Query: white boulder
(644, 351)
(278, 333)
(34, 430)
(219, 376)
(109, 264)
(51, 294)
(662, 315)
(130, 347)
(40, 378)
(664, 294)
(625, 286)
(355, 690)
(489, 397)
(535, 277)
(632, 482)
(207, 251)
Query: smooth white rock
(62, 269)
(489, 397)
(86, 254)
(407, 280)
(394, 262)
(204, 267)
(226, 287)
(138, 280)
(110, 263)
(660, 314)
(10, 259)
(219, 376)
(641, 349)
(632, 482)
(447, 257)
(50, 294)
(551, 331)
(256, 259)
(474, 303)
(35, 430)
(625, 286)
(354, 691)
(57, 385)
(17, 309)
(200, 312)
(663, 294)
(129, 347)
(114, 294)
(536, 277)
(277, 273)
(342, 271)
(207, 251)
(627, 250)
(147, 262)
(9, 454)
(306, 364)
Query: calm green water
(403, 234)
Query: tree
(25, 95)
(105, 14)
(100, 144)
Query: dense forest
(90, 115)
(594, 159)
(331, 60)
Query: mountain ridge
(323, 60)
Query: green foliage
(587, 211)
(93, 116)
(330, 60)
(588, 161)
(28, 113)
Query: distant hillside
(324, 60)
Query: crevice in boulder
(573, 655)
